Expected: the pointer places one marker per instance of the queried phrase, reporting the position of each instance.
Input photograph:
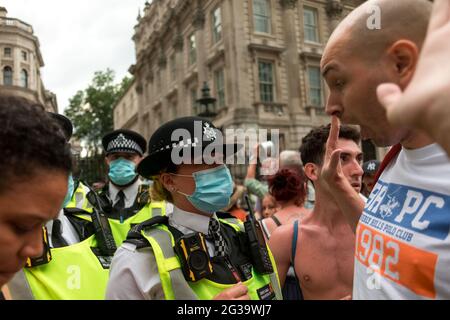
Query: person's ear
(312, 171)
(167, 181)
(404, 55)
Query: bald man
(425, 103)
(402, 247)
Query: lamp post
(206, 105)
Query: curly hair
(313, 145)
(288, 184)
(30, 140)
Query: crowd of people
(325, 225)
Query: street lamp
(206, 105)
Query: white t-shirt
(402, 239)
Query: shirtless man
(325, 244)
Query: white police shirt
(130, 193)
(134, 274)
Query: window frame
(311, 88)
(217, 36)
(220, 90)
(9, 55)
(24, 55)
(192, 50)
(273, 82)
(11, 77)
(268, 18)
(25, 73)
(316, 26)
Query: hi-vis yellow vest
(74, 273)
(79, 198)
(176, 287)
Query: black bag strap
(275, 219)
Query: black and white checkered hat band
(122, 144)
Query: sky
(78, 38)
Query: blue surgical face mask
(122, 171)
(70, 187)
(213, 189)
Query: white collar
(130, 192)
(191, 221)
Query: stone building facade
(259, 57)
(21, 60)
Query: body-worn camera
(46, 256)
(258, 248)
(194, 257)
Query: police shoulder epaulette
(135, 236)
(224, 215)
(135, 232)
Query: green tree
(91, 109)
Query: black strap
(275, 219)
(135, 232)
(57, 239)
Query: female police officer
(190, 253)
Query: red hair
(288, 184)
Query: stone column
(199, 24)
(140, 105)
(178, 43)
(292, 61)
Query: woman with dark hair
(288, 187)
(35, 166)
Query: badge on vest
(266, 292)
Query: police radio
(258, 248)
(103, 233)
(46, 256)
(194, 257)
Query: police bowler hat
(184, 138)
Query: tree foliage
(91, 109)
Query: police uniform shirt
(68, 232)
(130, 193)
(134, 274)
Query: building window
(219, 83)
(7, 76)
(261, 16)
(217, 25)
(192, 49)
(24, 78)
(310, 24)
(194, 100)
(24, 56)
(315, 86)
(173, 67)
(266, 81)
(7, 52)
